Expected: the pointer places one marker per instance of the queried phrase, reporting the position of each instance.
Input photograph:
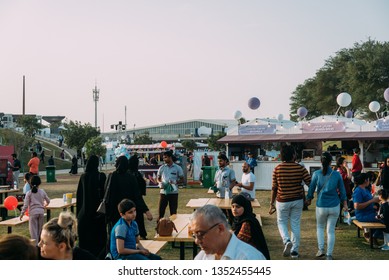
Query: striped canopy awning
(150, 146)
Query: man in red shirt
(356, 163)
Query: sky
(172, 60)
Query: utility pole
(96, 93)
(24, 96)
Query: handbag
(165, 227)
(102, 207)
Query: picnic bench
(10, 223)
(369, 226)
(153, 246)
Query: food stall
(335, 134)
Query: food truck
(336, 134)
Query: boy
(124, 241)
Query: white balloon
(374, 106)
(280, 117)
(237, 115)
(343, 99)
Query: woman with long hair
(330, 192)
(345, 173)
(384, 175)
(92, 231)
(246, 226)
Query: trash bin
(50, 174)
(208, 176)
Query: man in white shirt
(248, 181)
(211, 232)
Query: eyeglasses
(200, 235)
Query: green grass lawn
(347, 247)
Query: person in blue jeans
(124, 242)
(330, 192)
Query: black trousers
(164, 200)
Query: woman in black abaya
(92, 233)
(246, 226)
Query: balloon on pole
(237, 115)
(343, 99)
(11, 202)
(348, 114)
(374, 106)
(254, 103)
(302, 112)
(163, 144)
(386, 94)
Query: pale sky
(172, 60)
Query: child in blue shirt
(124, 238)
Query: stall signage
(257, 129)
(382, 125)
(323, 127)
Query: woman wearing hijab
(121, 185)
(246, 226)
(92, 233)
(133, 165)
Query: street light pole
(96, 93)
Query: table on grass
(222, 203)
(182, 235)
(59, 203)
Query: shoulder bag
(102, 207)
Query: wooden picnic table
(235, 190)
(222, 203)
(181, 222)
(59, 203)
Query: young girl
(383, 214)
(27, 187)
(35, 200)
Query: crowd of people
(232, 234)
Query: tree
(362, 71)
(94, 146)
(142, 139)
(189, 145)
(212, 142)
(77, 134)
(30, 126)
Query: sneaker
(320, 254)
(385, 248)
(329, 258)
(294, 255)
(287, 248)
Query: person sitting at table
(211, 232)
(364, 204)
(58, 240)
(35, 201)
(17, 247)
(124, 240)
(246, 226)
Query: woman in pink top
(35, 200)
(34, 164)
